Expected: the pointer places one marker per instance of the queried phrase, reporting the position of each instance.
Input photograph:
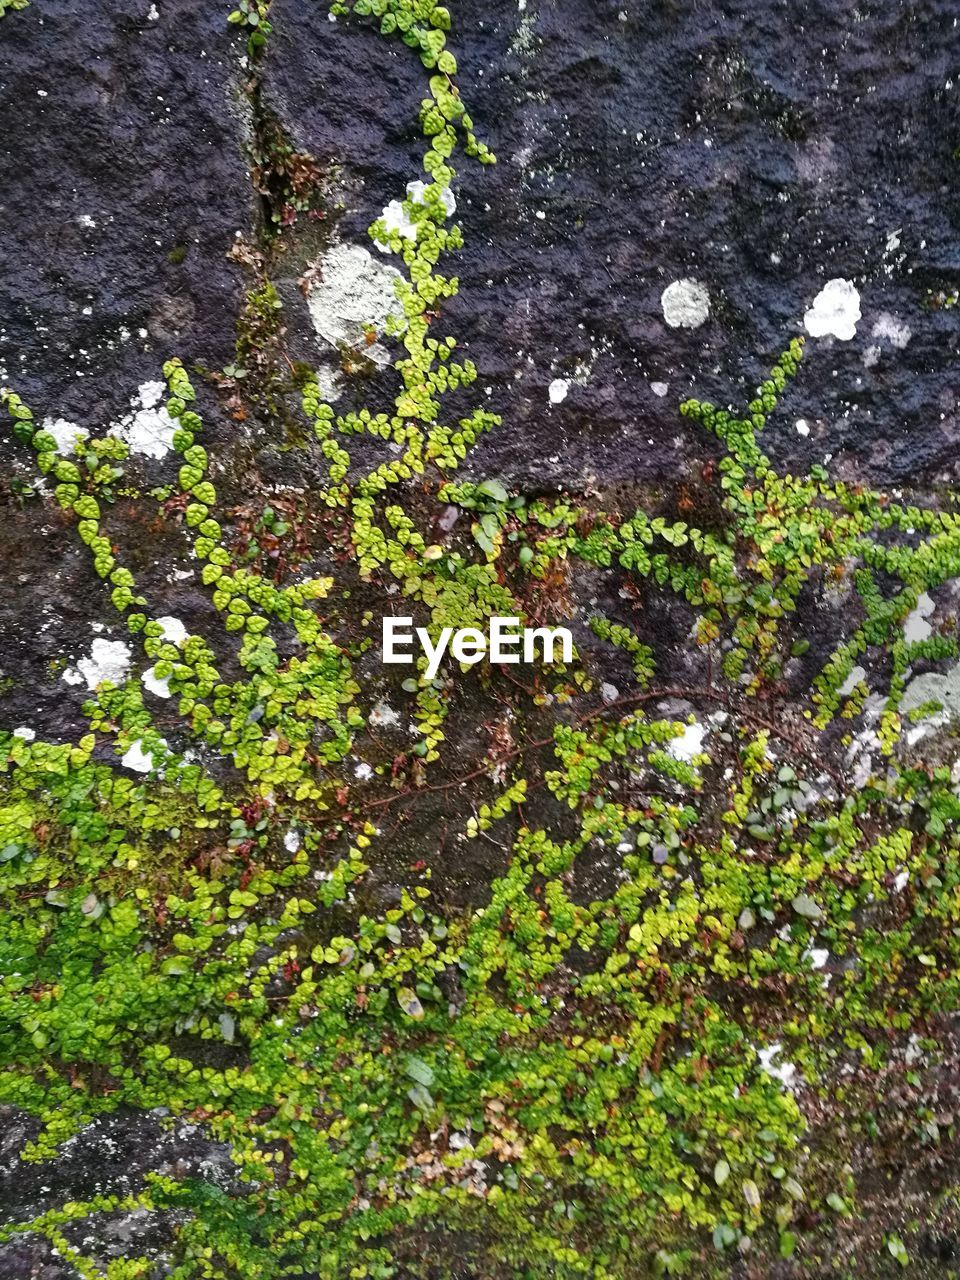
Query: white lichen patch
(151, 433)
(350, 293)
(660, 388)
(689, 744)
(25, 733)
(559, 388)
(916, 627)
(383, 716)
(137, 759)
(149, 395)
(835, 311)
(66, 434)
(685, 304)
(174, 632)
(864, 745)
(157, 685)
(397, 219)
(893, 255)
(785, 1072)
(109, 660)
(932, 687)
(149, 429)
(892, 330)
(802, 426)
(328, 383)
(851, 682)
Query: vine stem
(634, 700)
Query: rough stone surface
(121, 152)
(108, 1157)
(760, 149)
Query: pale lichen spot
(689, 744)
(149, 429)
(916, 627)
(397, 219)
(851, 682)
(785, 1072)
(835, 311)
(66, 434)
(685, 304)
(383, 716)
(892, 330)
(328, 384)
(109, 660)
(174, 632)
(157, 685)
(932, 687)
(352, 295)
(137, 759)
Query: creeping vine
(699, 936)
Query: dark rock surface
(124, 182)
(110, 1158)
(761, 149)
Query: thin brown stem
(634, 700)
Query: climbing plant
(695, 926)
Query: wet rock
(125, 182)
(124, 185)
(676, 187)
(108, 1157)
(760, 152)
